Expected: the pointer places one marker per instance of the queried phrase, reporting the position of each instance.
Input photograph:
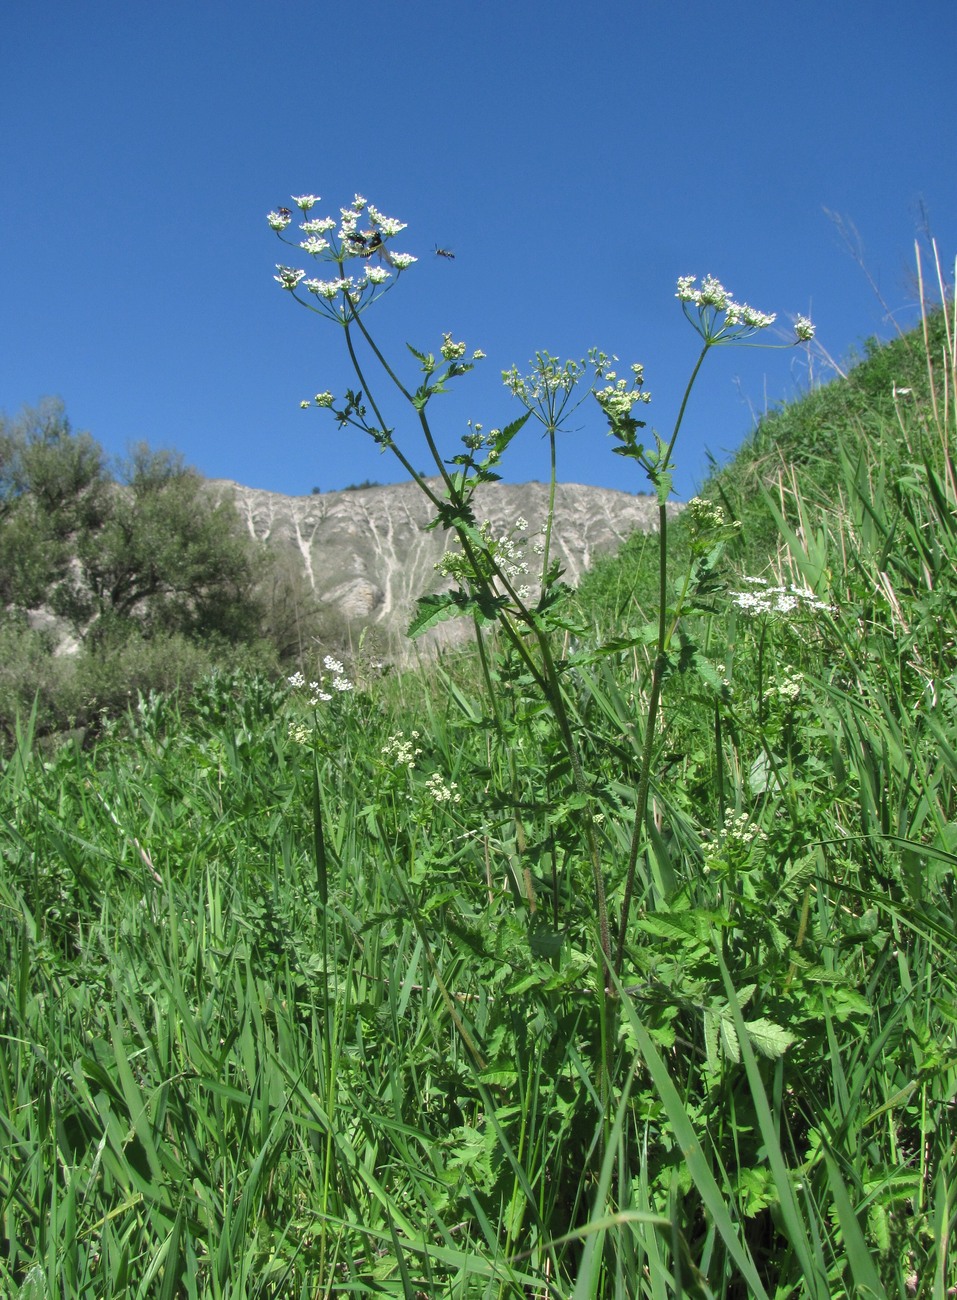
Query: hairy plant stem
(550, 517)
(546, 677)
(512, 769)
(665, 633)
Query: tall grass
(298, 1003)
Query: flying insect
(375, 245)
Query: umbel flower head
(548, 391)
(360, 236)
(719, 319)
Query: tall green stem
(545, 676)
(665, 634)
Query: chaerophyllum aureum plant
(354, 261)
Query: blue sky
(577, 159)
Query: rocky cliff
(367, 551)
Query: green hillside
(612, 958)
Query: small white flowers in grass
(786, 687)
(734, 843)
(442, 791)
(739, 828)
(339, 682)
(299, 733)
(401, 751)
(778, 600)
(317, 692)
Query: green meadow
(613, 956)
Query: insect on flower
(375, 245)
(353, 237)
(444, 252)
(284, 213)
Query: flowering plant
(490, 570)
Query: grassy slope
(279, 1020)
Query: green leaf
(770, 1039)
(505, 436)
(435, 609)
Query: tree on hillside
(146, 553)
(53, 486)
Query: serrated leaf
(729, 1040)
(505, 436)
(431, 610)
(770, 1039)
(711, 1040)
(667, 927)
(425, 357)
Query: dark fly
(376, 245)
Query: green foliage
(306, 991)
(152, 581)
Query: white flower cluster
(738, 833)
(777, 600)
(299, 733)
(475, 439)
(506, 550)
(442, 792)
(339, 682)
(787, 687)
(740, 828)
(321, 399)
(705, 515)
(551, 377)
(804, 329)
(713, 294)
(336, 242)
(712, 300)
(402, 752)
(508, 555)
(452, 351)
(616, 399)
(317, 694)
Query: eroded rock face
(367, 552)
